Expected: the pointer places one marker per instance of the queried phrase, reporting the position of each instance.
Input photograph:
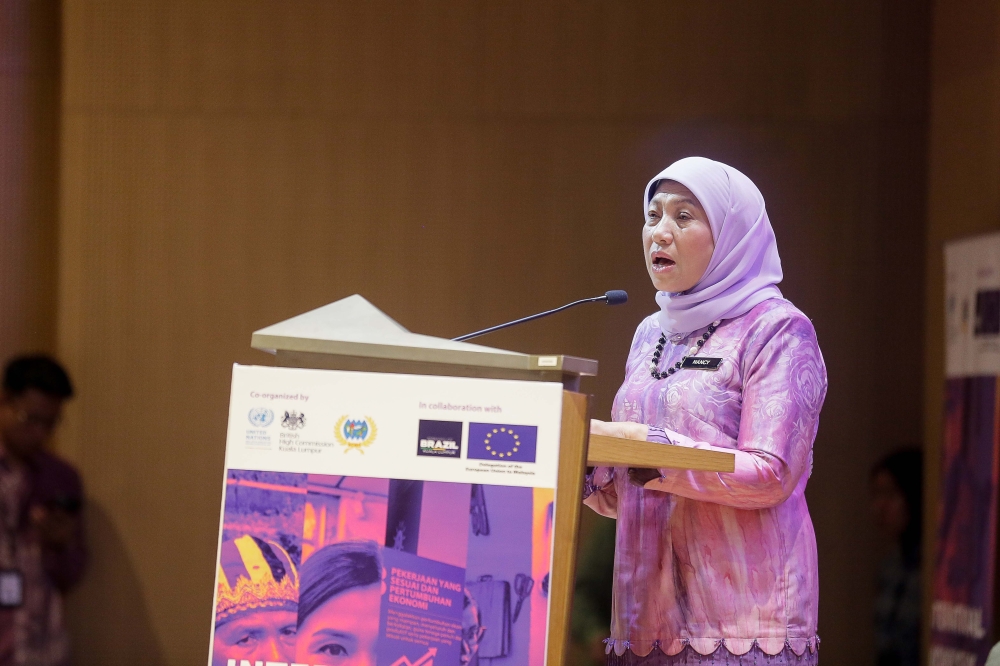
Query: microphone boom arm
(469, 336)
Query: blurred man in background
(42, 551)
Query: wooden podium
(352, 334)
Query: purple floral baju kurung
(720, 564)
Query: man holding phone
(42, 551)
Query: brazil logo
(441, 439)
(355, 434)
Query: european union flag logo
(502, 441)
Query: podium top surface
(354, 328)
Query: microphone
(613, 297)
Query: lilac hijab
(745, 267)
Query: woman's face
(343, 631)
(889, 505)
(676, 239)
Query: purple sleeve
(783, 389)
(66, 566)
(599, 486)
(599, 491)
(56, 482)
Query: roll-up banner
(964, 563)
(392, 519)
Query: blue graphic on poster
(502, 441)
(421, 614)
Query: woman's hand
(627, 430)
(640, 476)
(623, 429)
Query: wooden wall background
(29, 124)
(225, 165)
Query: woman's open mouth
(663, 263)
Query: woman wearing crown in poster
(715, 568)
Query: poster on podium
(398, 520)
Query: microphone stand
(609, 298)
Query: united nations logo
(355, 434)
(260, 417)
(293, 420)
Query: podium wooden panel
(569, 504)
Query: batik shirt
(34, 633)
(720, 560)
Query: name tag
(11, 588)
(701, 363)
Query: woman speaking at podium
(715, 568)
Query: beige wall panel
(29, 122)
(227, 165)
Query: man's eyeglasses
(35, 420)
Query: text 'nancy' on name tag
(701, 363)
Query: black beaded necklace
(654, 364)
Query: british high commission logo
(355, 433)
(293, 420)
(260, 417)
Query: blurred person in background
(42, 552)
(897, 501)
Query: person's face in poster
(261, 636)
(343, 631)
